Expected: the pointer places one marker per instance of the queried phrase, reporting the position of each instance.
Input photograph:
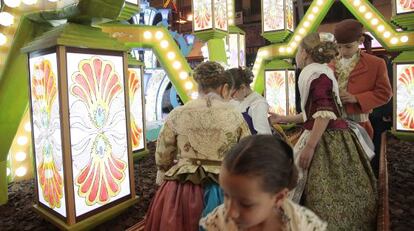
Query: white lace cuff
(325, 115)
(160, 177)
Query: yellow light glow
(289, 49)
(394, 40)
(387, 34)
(3, 39)
(293, 44)
(381, 28)
(147, 35)
(164, 44)
(6, 19)
(320, 2)
(27, 127)
(21, 171)
(177, 65)
(282, 49)
(188, 85)
(374, 21)
(306, 24)
(302, 31)
(311, 16)
(263, 53)
(53, 0)
(20, 156)
(357, 2)
(231, 21)
(183, 75)
(315, 9)
(12, 3)
(159, 35)
(171, 55)
(22, 140)
(29, 2)
(8, 171)
(298, 38)
(404, 39)
(362, 9)
(368, 15)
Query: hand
(306, 156)
(347, 98)
(275, 118)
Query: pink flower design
(44, 91)
(97, 84)
(134, 85)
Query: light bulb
(6, 19)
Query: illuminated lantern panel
(210, 14)
(277, 15)
(135, 2)
(98, 128)
(136, 108)
(47, 131)
(280, 91)
(405, 97)
(242, 50)
(404, 6)
(203, 15)
(220, 14)
(291, 92)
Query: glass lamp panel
(273, 15)
(404, 6)
(405, 97)
(275, 93)
(203, 15)
(136, 108)
(220, 15)
(47, 138)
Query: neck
(272, 223)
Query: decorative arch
(363, 10)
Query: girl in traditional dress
(196, 135)
(253, 106)
(335, 174)
(256, 177)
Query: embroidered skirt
(340, 186)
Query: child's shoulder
(304, 218)
(217, 221)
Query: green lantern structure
(80, 120)
(277, 19)
(280, 87)
(403, 14)
(404, 94)
(210, 24)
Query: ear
(280, 197)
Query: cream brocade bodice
(199, 134)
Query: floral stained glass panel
(273, 15)
(220, 14)
(47, 132)
(276, 91)
(203, 15)
(136, 106)
(289, 15)
(405, 97)
(98, 130)
(404, 6)
(233, 48)
(291, 93)
(242, 50)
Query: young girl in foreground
(340, 186)
(256, 177)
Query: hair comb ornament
(326, 37)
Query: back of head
(264, 156)
(210, 75)
(348, 31)
(240, 76)
(321, 49)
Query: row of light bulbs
(20, 156)
(171, 56)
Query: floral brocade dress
(190, 149)
(340, 186)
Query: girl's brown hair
(267, 157)
(210, 75)
(240, 76)
(320, 51)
